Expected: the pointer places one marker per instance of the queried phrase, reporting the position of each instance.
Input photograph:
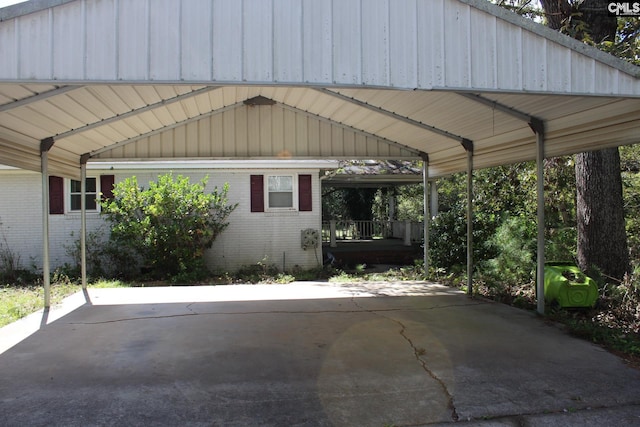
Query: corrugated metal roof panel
(251, 132)
(459, 44)
(348, 77)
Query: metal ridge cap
(27, 7)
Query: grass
(17, 302)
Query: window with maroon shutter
(305, 201)
(56, 195)
(91, 195)
(257, 193)
(106, 186)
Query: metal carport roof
(421, 76)
(460, 83)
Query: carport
(460, 84)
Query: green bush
(560, 244)
(514, 243)
(631, 188)
(169, 225)
(448, 239)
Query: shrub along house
(277, 203)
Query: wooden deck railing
(333, 230)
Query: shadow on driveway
(366, 354)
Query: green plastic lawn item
(569, 286)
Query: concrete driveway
(306, 354)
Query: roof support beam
(534, 122)
(467, 144)
(38, 97)
(137, 111)
(497, 106)
(391, 114)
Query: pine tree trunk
(602, 239)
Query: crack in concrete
(188, 307)
(192, 312)
(417, 353)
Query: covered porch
(378, 241)
(353, 252)
(407, 232)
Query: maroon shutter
(257, 193)
(305, 201)
(106, 186)
(56, 195)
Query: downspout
(537, 126)
(83, 219)
(45, 145)
(427, 217)
(468, 146)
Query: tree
(169, 225)
(602, 240)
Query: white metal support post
(83, 219)
(45, 146)
(427, 216)
(538, 127)
(468, 146)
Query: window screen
(280, 190)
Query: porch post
(391, 200)
(407, 232)
(332, 233)
(45, 146)
(538, 128)
(434, 199)
(427, 217)
(468, 146)
(83, 219)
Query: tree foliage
(168, 226)
(602, 242)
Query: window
(280, 192)
(91, 195)
(63, 197)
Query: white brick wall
(250, 238)
(20, 215)
(264, 236)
